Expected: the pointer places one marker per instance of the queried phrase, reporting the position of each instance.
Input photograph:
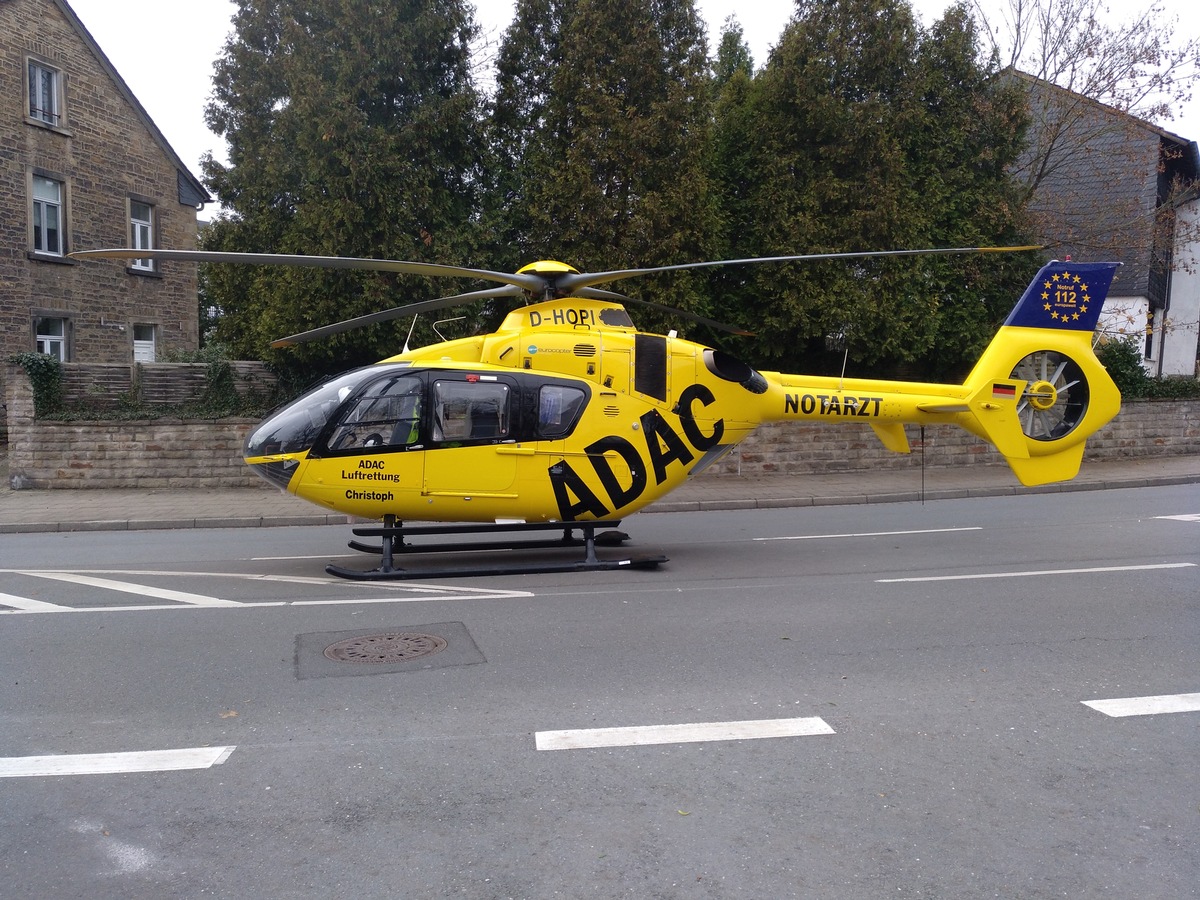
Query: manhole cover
(385, 648)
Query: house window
(48, 216)
(51, 337)
(143, 343)
(141, 232)
(45, 93)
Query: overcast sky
(164, 49)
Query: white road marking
(141, 589)
(1193, 517)
(350, 601)
(417, 592)
(114, 763)
(639, 735)
(1037, 572)
(861, 534)
(25, 604)
(1146, 706)
(297, 558)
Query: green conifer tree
(863, 132)
(352, 129)
(603, 109)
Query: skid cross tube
(392, 534)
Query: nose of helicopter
(277, 469)
(281, 441)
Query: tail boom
(1036, 394)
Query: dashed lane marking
(1193, 517)
(1146, 706)
(1039, 572)
(862, 534)
(114, 763)
(640, 735)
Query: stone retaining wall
(1144, 428)
(151, 454)
(169, 453)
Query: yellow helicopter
(568, 418)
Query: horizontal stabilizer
(948, 407)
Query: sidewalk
(129, 510)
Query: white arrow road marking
(1040, 572)
(114, 763)
(141, 589)
(679, 734)
(1146, 706)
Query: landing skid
(392, 543)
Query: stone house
(82, 166)
(1106, 185)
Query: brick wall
(1143, 428)
(207, 454)
(162, 453)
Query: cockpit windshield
(294, 427)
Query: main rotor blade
(529, 282)
(396, 312)
(571, 281)
(596, 294)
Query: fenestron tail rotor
(1055, 399)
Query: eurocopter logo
(1065, 297)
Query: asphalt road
(932, 661)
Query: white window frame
(40, 74)
(145, 350)
(49, 343)
(42, 209)
(141, 232)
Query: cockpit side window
(385, 415)
(558, 408)
(470, 411)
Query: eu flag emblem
(1065, 295)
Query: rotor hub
(1042, 395)
(547, 267)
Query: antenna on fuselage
(443, 322)
(411, 328)
(840, 340)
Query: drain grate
(385, 648)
